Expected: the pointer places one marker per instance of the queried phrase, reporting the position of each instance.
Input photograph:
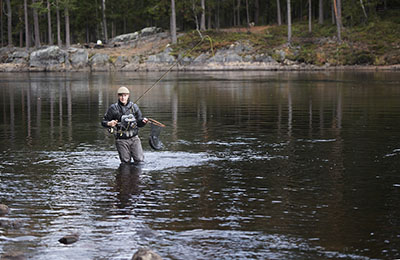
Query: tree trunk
(209, 22)
(59, 42)
(67, 33)
(278, 9)
(49, 23)
(203, 16)
(234, 13)
(173, 23)
(309, 17)
(363, 8)
(289, 21)
(36, 26)
(321, 12)
(195, 15)
(238, 13)
(338, 6)
(247, 13)
(9, 22)
(113, 29)
(87, 33)
(27, 36)
(217, 24)
(1, 23)
(256, 11)
(300, 10)
(21, 37)
(104, 21)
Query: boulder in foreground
(146, 254)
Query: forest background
(335, 32)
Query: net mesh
(155, 131)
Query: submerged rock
(4, 210)
(13, 256)
(10, 223)
(69, 239)
(146, 254)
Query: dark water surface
(255, 166)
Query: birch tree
(27, 37)
(104, 21)
(173, 22)
(67, 32)
(203, 16)
(36, 25)
(50, 34)
(59, 42)
(278, 10)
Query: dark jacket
(116, 111)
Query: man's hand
(145, 120)
(112, 123)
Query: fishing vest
(127, 121)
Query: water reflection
(282, 165)
(281, 105)
(127, 182)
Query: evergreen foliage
(124, 16)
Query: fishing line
(176, 62)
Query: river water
(256, 165)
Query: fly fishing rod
(156, 126)
(175, 63)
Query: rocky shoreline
(148, 50)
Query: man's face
(123, 98)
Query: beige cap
(123, 90)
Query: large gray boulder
(51, 56)
(125, 37)
(100, 62)
(18, 57)
(48, 57)
(149, 31)
(129, 37)
(78, 58)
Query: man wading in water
(123, 119)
